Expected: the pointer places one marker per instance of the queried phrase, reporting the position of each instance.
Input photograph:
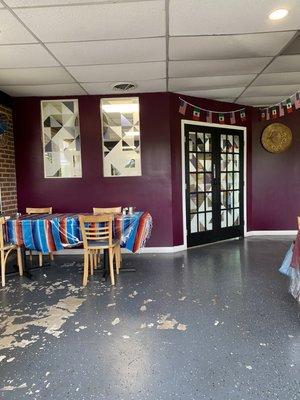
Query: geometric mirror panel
(200, 181)
(230, 180)
(61, 139)
(121, 136)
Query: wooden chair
(97, 235)
(102, 211)
(45, 210)
(5, 249)
(112, 210)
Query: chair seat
(101, 243)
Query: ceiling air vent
(124, 86)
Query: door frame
(183, 184)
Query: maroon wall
(176, 153)
(158, 190)
(276, 179)
(152, 191)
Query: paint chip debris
(10, 359)
(111, 305)
(116, 321)
(249, 367)
(181, 327)
(182, 298)
(216, 323)
(143, 308)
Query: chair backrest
(45, 210)
(2, 225)
(96, 228)
(112, 210)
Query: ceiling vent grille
(124, 86)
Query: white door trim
(199, 123)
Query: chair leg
(95, 259)
(2, 268)
(40, 259)
(92, 262)
(118, 259)
(111, 266)
(20, 262)
(30, 255)
(85, 268)
(51, 256)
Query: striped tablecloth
(47, 233)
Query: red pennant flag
(208, 116)
(274, 113)
(281, 110)
(297, 101)
(289, 106)
(243, 116)
(196, 114)
(182, 107)
(267, 115)
(232, 118)
(221, 119)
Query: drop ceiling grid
(168, 53)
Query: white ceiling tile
(259, 101)
(99, 21)
(227, 100)
(35, 3)
(283, 78)
(207, 17)
(275, 90)
(224, 47)
(195, 68)
(110, 51)
(66, 89)
(12, 31)
(214, 93)
(209, 82)
(25, 56)
(34, 76)
(119, 72)
(158, 85)
(285, 64)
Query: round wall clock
(276, 138)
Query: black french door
(214, 183)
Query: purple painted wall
(152, 191)
(276, 179)
(158, 190)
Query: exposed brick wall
(7, 167)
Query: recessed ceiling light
(278, 14)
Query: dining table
(47, 233)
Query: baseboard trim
(176, 249)
(144, 250)
(271, 233)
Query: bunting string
(222, 117)
(266, 113)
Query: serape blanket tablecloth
(291, 267)
(47, 233)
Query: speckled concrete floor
(215, 322)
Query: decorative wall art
(61, 138)
(276, 138)
(121, 137)
(4, 125)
